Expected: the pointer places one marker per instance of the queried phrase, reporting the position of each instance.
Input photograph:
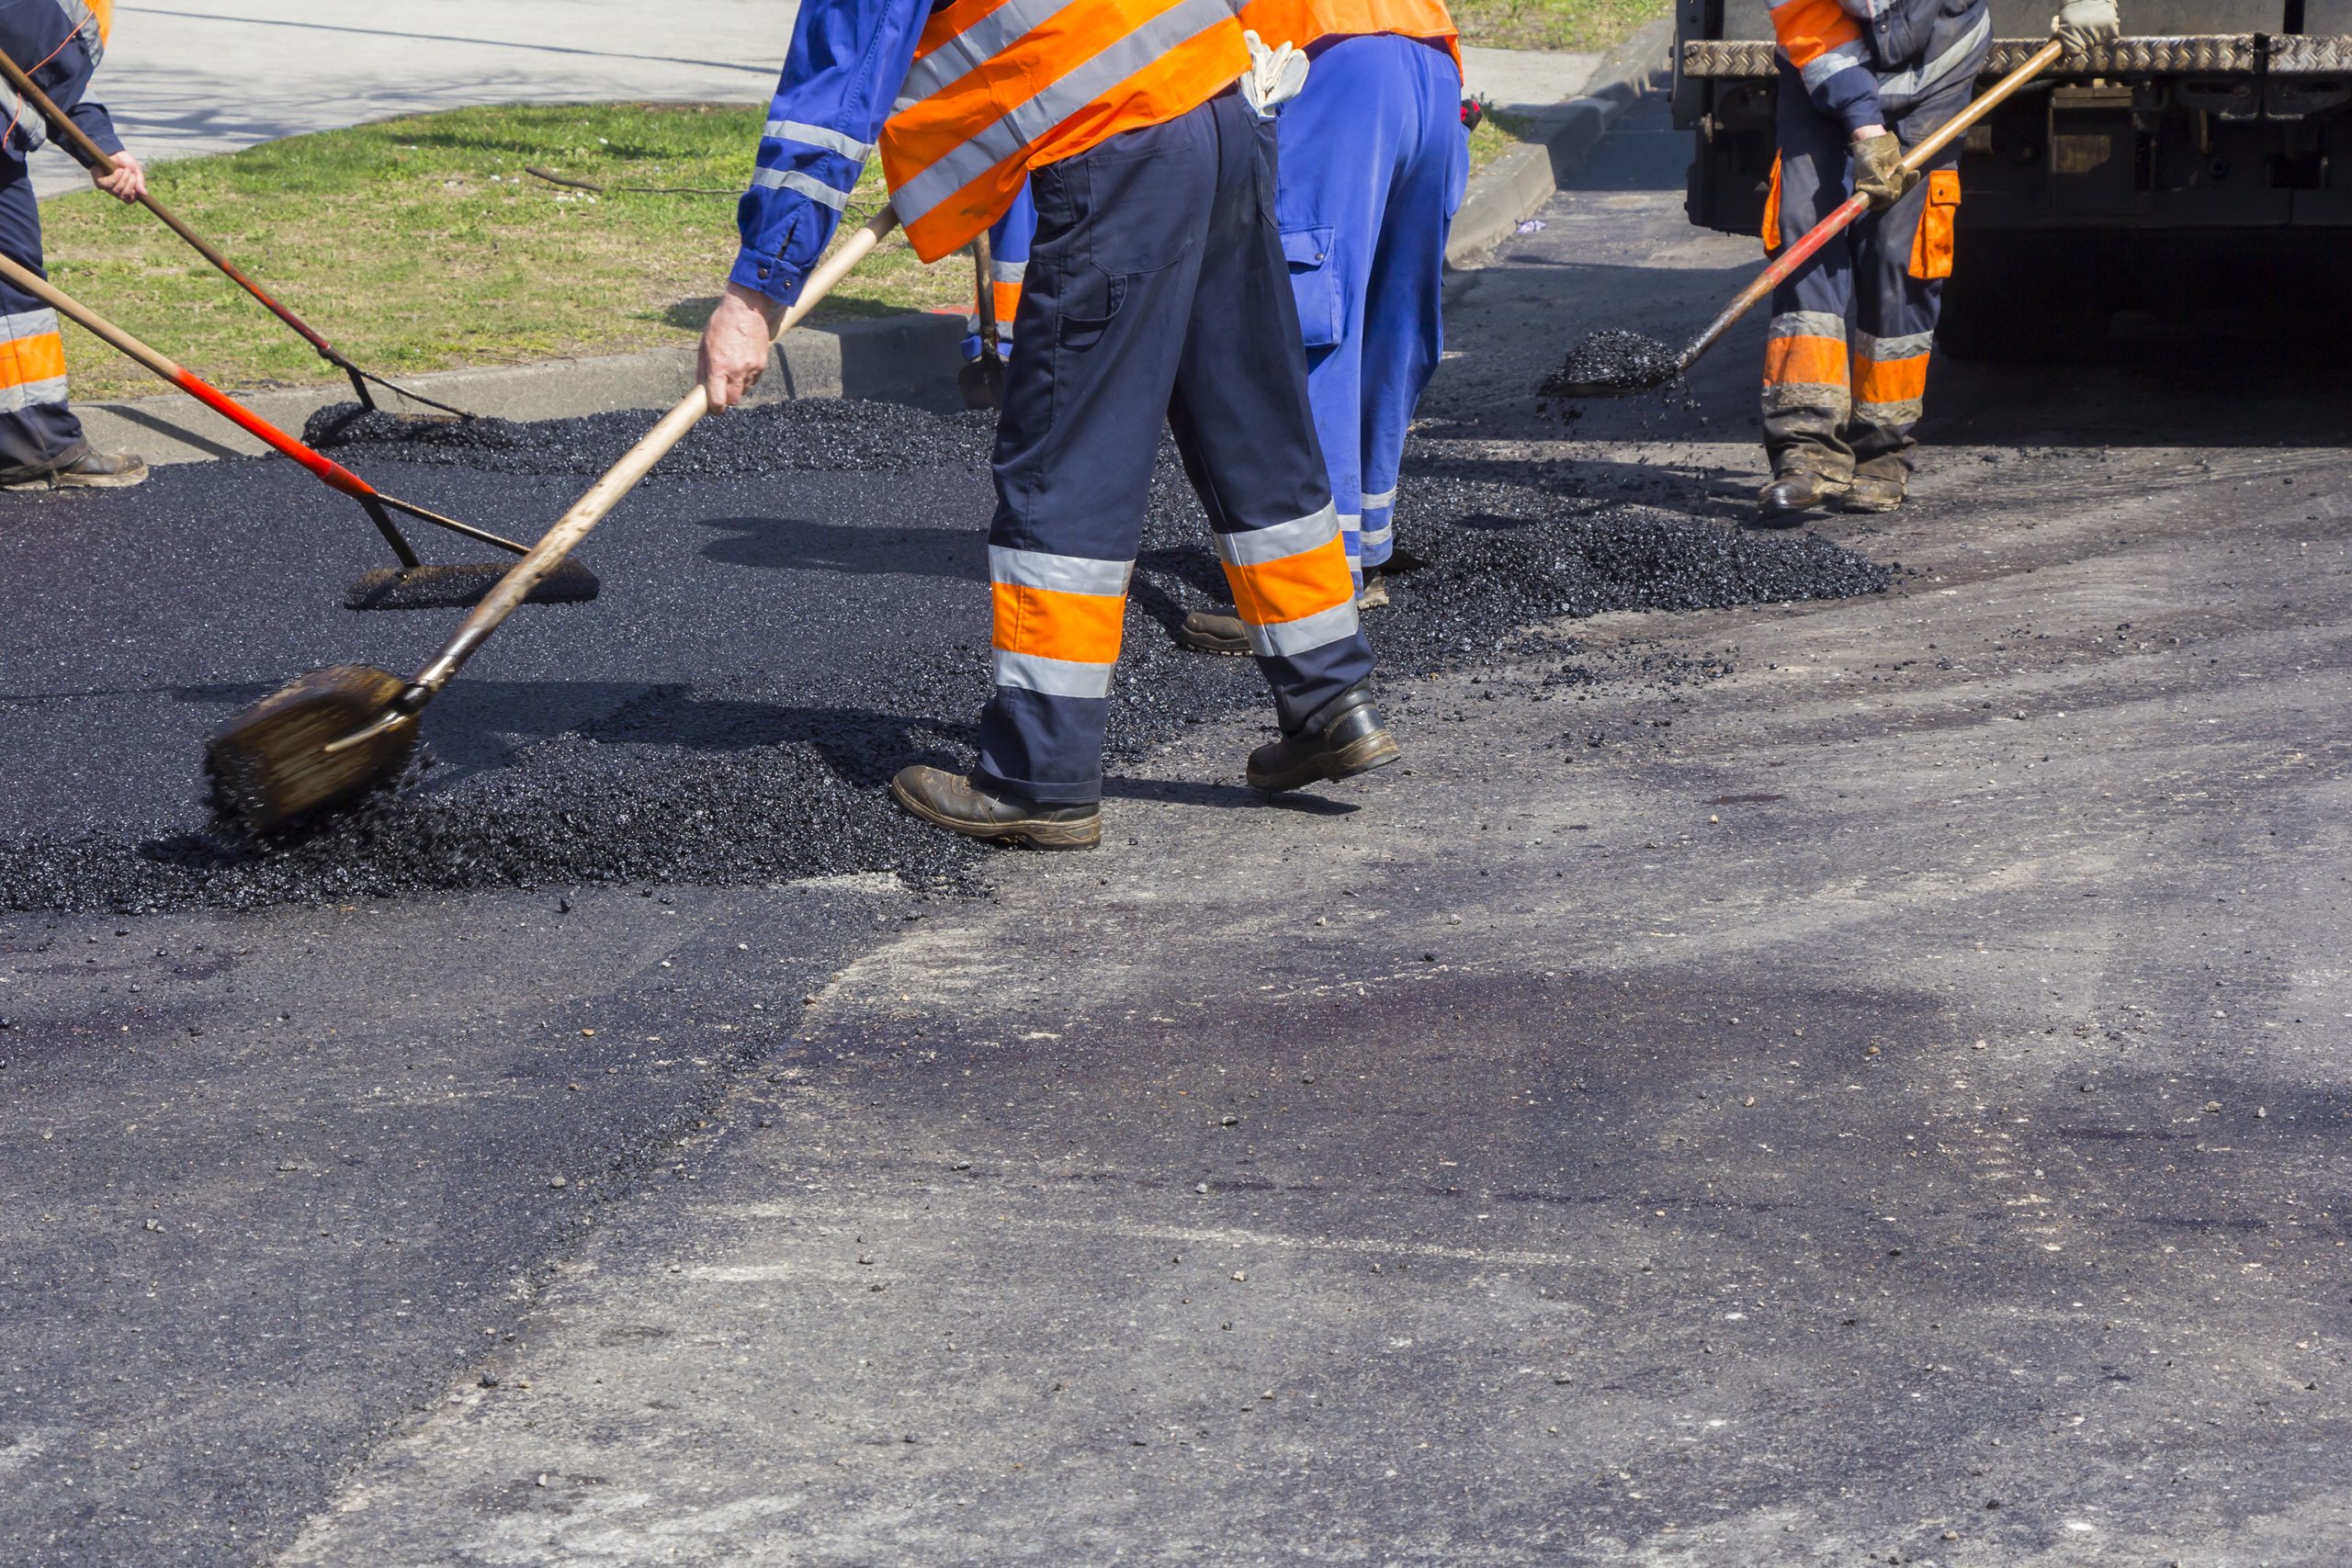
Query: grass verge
(421, 244)
(1578, 25)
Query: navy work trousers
(1156, 292)
(37, 433)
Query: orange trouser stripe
(39, 357)
(1081, 628)
(1294, 587)
(1008, 301)
(1890, 380)
(1804, 361)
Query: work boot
(91, 470)
(1794, 493)
(1343, 737)
(1221, 631)
(1879, 486)
(953, 801)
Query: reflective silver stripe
(16, 399)
(1288, 639)
(26, 323)
(964, 53)
(85, 22)
(1061, 574)
(1808, 323)
(817, 136)
(1894, 415)
(1024, 123)
(1053, 677)
(1008, 272)
(1378, 535)
(1885, 350)
(1385, 499)
(1256, 546)
(1845, 57)
(809, 186)
(1912, 84)
(1349, 521)
(1807, 395)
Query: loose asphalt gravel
(705, 720)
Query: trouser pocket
(1315, 284)
(1931, 246)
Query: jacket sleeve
(847, 61)
(1827, 48)
(65, 74)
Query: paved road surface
(1821, 1083)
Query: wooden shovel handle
(621, 477)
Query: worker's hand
(735, 344)
(2079, 24)
(1878, 173)
(129, 181)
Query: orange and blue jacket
(1864, 62)
(59, 43)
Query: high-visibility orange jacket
(1305, 22)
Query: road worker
(1845, 363)
(59, 43)
(1155, 294)
(1374, 160)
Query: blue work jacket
(57, 42)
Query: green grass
(420, 244)
(1578, 25)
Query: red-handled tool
(1643, 376)
(90, 152)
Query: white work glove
(2079, 24)
(1274, 76)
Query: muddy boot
(1878, 486)
(1342, 739)
(1373, 594)
(952, 801)
(91, 470)
(1787, 499)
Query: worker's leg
(1009, 241)
(1404, 310)
(1246, 428)
(39, 435)
(1808, 394)
(1901, 263)
(1121, 233)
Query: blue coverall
(59, 45)
(1373, 164)
(1155, 296)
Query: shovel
(982, 381)
(92, 153)
(1649, 371)
(336, 734)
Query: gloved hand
(1878, 173)
(2079, 24)
(1274, 76)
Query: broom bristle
(462, 587)
(270, 764)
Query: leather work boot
(1344, 738)
(91, 470)
(1879, 486)
(954, 802)
(1221, 631)
(1793, 494)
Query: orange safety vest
(1303, 22)
(999, 86)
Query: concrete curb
(912, 357)
(1524, 180)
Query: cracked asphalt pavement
(1812, 1081)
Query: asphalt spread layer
(817, 434)
(760, 753)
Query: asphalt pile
(1610, 363)
(773, 777)
(811, 436)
